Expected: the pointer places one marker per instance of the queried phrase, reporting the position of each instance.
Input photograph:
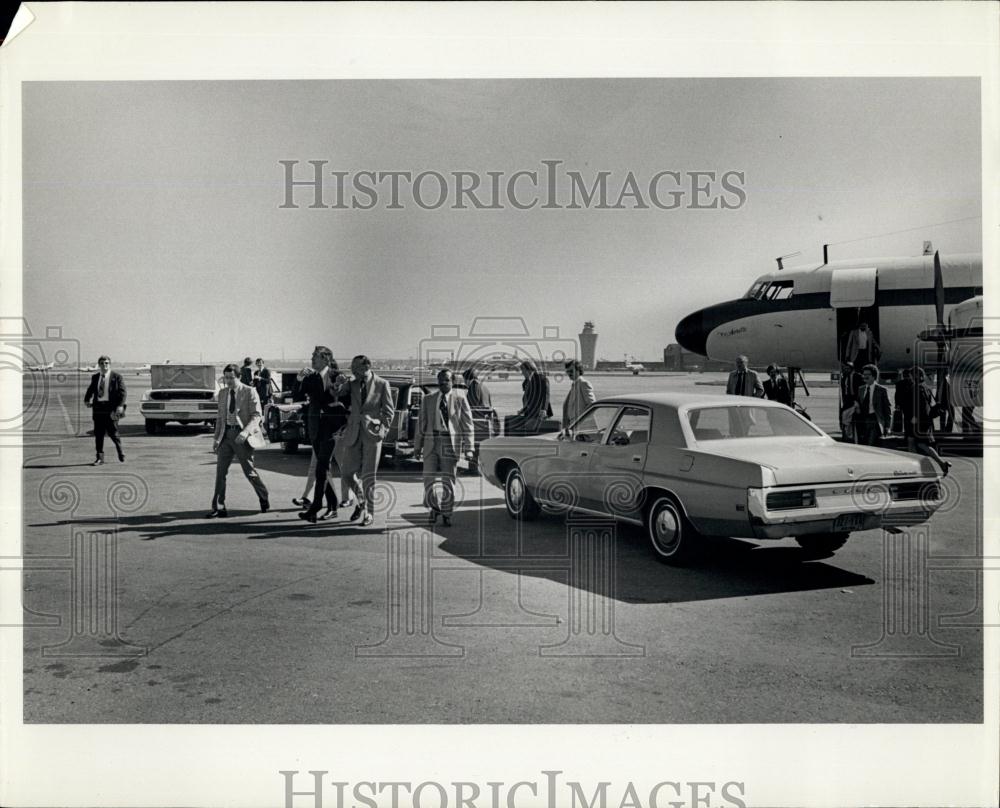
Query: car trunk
(798, 461)
(182, 377)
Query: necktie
(364, 389)
(232, 400)
(443, 409)
(740, 383)
(866, 408)
(100, 387)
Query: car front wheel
(521, 505)
(152, 427)
(820, 545)
(671, 536)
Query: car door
(565, 476)
(614, 479)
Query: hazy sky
(152, 226)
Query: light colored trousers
(362, 458)
(440, 464)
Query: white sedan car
(684, 466)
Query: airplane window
(779, 290)
(754, 292)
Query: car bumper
(177, 411)
(844, 508)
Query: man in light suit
(581, 394)
(106, 396)
(238, 419)
(743, 381)
(372, 411)
(444, 434)
(873, 416)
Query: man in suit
(580, 396)
(776, 387)
(743, 381)
(862, 348)
(873, 416)
(535, 405)
(850, 381)
(444, 434)
(325, 415)
(262, 381)
(371, 414)
(106, 397)
(238, 419)
(246, 372)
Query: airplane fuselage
(799, 317)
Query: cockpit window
(770, 290)
(779, 290)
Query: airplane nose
(691, 333)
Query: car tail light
(919, 491)
(787, 500)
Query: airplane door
(854, 296)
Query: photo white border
(188, 765)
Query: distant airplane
(635, 367)
(41, 368)
(89, 369)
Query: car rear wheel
(822, 544)
(672, 537)
(521, 505)
(152, 427)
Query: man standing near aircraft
(850, 381)
(371, 415)
(535, 406)
(444, 434)
(106, 395)
(237, 428)
(874, 411)
(325, 415)
(743, 381)
(580, 396)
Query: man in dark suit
(850, 381)
(535, 405)
(874, 411)
(106, 396)
(246, 372)
(776, 387)
(325, 415)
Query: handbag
(255, 438)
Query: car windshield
(723, 423)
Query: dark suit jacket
(116, 390)
(879, 408)
(535, 401)
(849, 388)
(478, 394)
(778, 390)
(326, 413)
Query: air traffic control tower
(588, 346)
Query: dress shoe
(265, 506)
(98, 462)
(121, 457)
(946, 468)
(217, 513)
(308, 516)
(329, 513)
(304, 502)
(358, 511)
(434, 516)
(367, 519)
(445, 521)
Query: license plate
(847, 522)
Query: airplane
(41, 368)
(635, 367)
(143, 368)
(799, 317)
(89, 369)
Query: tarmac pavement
(139, 610)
